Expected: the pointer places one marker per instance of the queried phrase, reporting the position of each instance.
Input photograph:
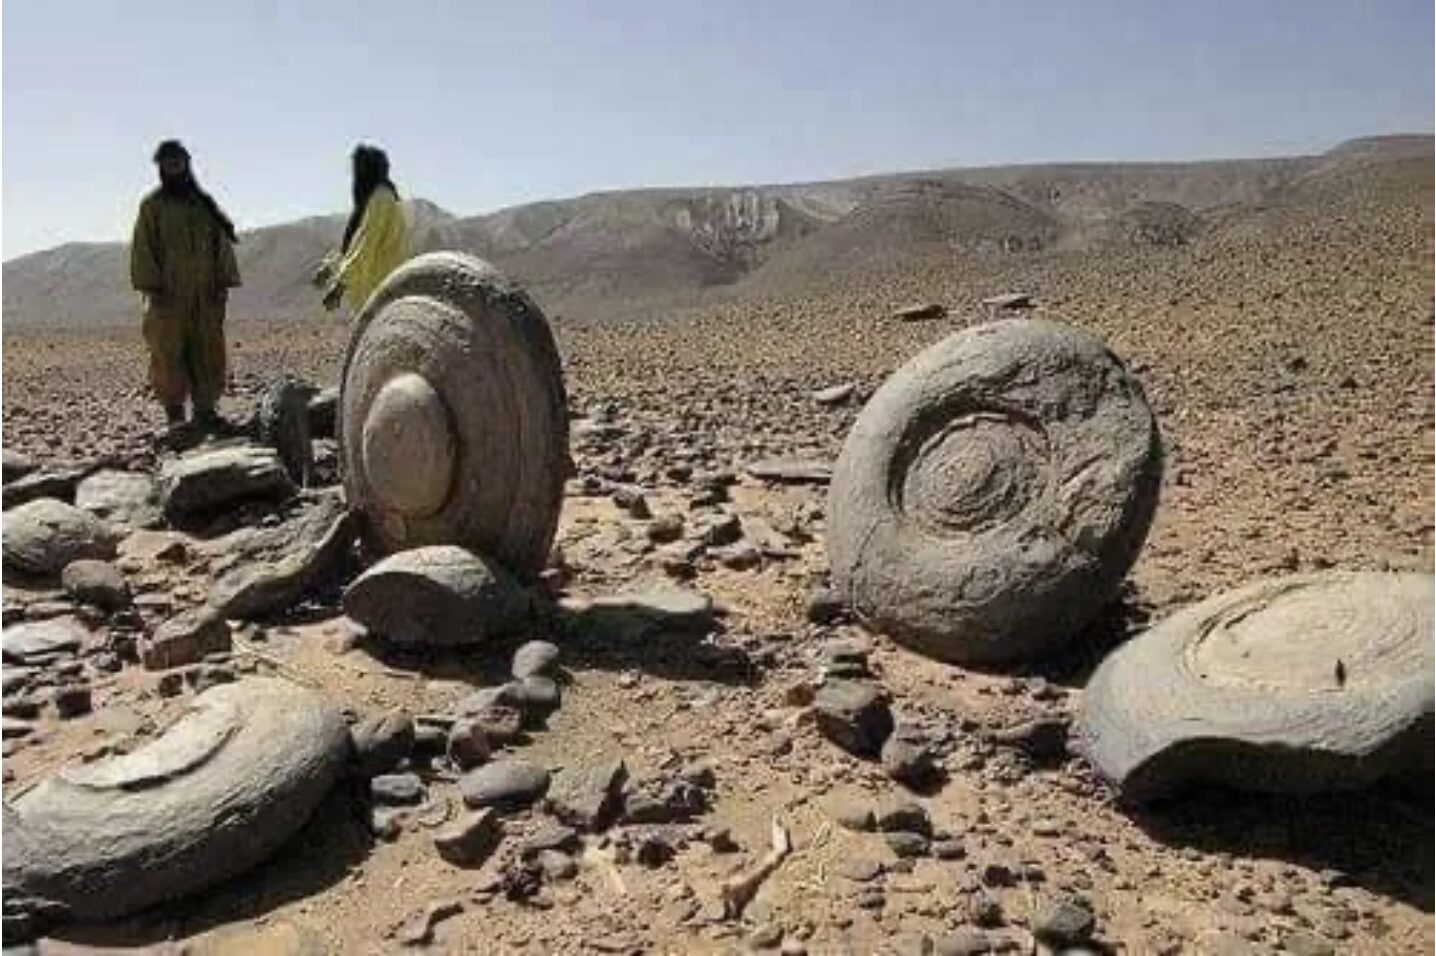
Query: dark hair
(174, 149)
(371, 170)
(171, 149)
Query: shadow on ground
(1380, 840)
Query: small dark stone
(550, 836)
(96, 582)
(998, 874)
(469, 840)
(854, 715)
(468, 745)
(381, 742)
(907, 759)
(907, 845)
(537, 697)
(587, 797)
(397, 789)
(504, 783)
(1063, 922)
(1043, 740)
(949, 849)
(826, 606)
(903, 816)
(983, 910)
(72, 700)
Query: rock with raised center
(1297, 684)
(41, 641)
(206, 481)
(440, 595)
(96, 582)
(992, 495)
(126, 499)
(504, 784)
(536, 658)
(214, 795)
(854, 715)
(469, 840)
(45, 535)
(185, 639)
(587, 797)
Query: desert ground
(1286, 351)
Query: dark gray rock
(549, 836)
(907, 845)
(1064, 922)
(437, 596)
(587, 797)
(397, 789)
(907, 759)
(99, 583)
(206, 481)
(257, 590)
(322, 409)
(903, 816)
(942, 488)
(282, 422)
(1043, 739)
(381, 742)
(15, 466)
(468, 745)
(45, 535)
(72, 700)
(56, 483)
(184, 639)
(471, 839)
(214, 795)
(854, 715)
(632, 616)
(536, 696)
(504, 784)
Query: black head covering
(371, 170)
(185, 186)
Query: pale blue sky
(483, 105)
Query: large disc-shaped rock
(43, 536)
(994, 492)
(1294, 685)
(453, 419)
(218, 792)
(441, 595)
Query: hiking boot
(174, 415)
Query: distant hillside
(604, 254)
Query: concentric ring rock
(994, 492)
(1294, 685)
(452, 414)
(214, 795)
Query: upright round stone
(994, 492)
(1294, 685)
(452, 414)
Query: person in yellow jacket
(182, 260)
(376, 237)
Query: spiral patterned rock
(1291, 685)
(214, 795)
(994, 492)
(452, 414)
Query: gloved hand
(324, 273)
(334, 296)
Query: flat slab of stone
(41, 640)
(126, 499)
(215, 794)
(205, 481)
(1298, 685)
(268, 587)
(792, 471)
(674, 609)
(43, 536)
(441, 595)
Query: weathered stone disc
(452, 414)
(215, 794)
(1293, 685)
(994, 492)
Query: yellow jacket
(179, 250)
(377, 248)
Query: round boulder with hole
(218, 792)
(1299, 684)
(994, 492)
(453, 421)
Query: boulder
(440, 596)
(1297, 685)
(205, 481)
(215, 794)
(45, 535)
(994, 492)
